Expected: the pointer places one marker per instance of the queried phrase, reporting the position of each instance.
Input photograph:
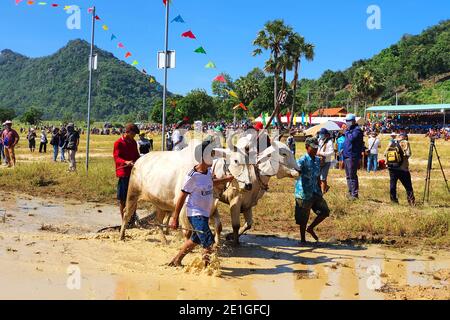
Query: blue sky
(225, 28)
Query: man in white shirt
(198, 196)
(372, 158)
(178, 140)
(325, 152)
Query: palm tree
(274, 38)
(298, 48)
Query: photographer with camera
(397, 158)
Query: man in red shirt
(125, 156)
(10, 139)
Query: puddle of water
(34, 263)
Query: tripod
(433, 149)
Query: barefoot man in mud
(308, 194)
(125, 156)
(198, 196)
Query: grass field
(372, 219)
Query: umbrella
(330, 126)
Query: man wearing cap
(125, 156)
(374, 146)
(353, 148)
(71, 145)
(10, 139)
(401, 172)
(308, 194)
(178, 138)
(326, 152)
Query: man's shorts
(122, 189)
(303, 208)
(324, 171)
(206, 238)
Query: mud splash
(68, 260)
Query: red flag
(220, 78)
(55, 5)
(310, 118)
(288, 115)
(97, 18)
(188, 34)
(128, 54)
(242, 106)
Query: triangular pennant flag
(232, 94)
(178, 19)
(18, 1)
(188, 34)
(105, 27)
(144, 71)
(67, 8)
(113, 37)
(152, 80)
(242, 106)
(128, 54)
(30, 3)
(135, 63)
(97, 18)
(220, 78)
(54, 5)
(90, 10)
(42, 3)
(210, 65)
(120, 45)
(200, 50)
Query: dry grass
(371, 219)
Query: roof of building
(331, 112)
(411, 108)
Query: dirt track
(42, 242)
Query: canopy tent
(411, 108)
(317, 120)
(330, 126)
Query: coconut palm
(273, 38)
(297, 48)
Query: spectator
(374, 146)
(31, 137)
(178, 138)
(353, 148)
(325, 153)
(44, 141)
(145, 145)
(291, 142)
(71, 144)
(397, 156)
(55, 143)
(62, 140)
(340, 149)
(10, 139)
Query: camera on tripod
(433, 150)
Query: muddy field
(49, 249)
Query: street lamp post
(91, 64)
(166, 58)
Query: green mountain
(417, 68)
(58, 85)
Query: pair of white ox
(159, 176)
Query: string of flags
(105, 27)
(189, 34)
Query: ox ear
(266, 154)
(221, 153)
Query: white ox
(159, 177)
(276, 161)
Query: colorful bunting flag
(120, 45)
(18, 1)
(97, 18)
(242, 106)
(152, 80)
(105, 27)
(128, 54)
(178, 19)
(113, 37)
(200, 50)
(210, 65)
(188, 34)
(232, 94)
(135, 63)
(67, 8)
(220, 78)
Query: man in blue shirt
(353, 148)
(308, 194)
